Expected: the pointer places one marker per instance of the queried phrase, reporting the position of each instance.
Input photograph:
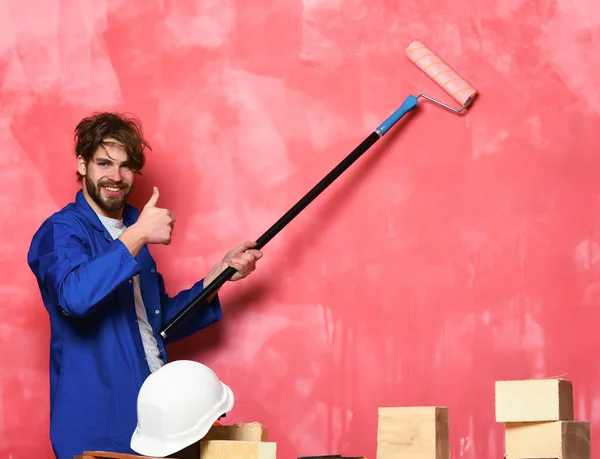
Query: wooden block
(419, 432)
(534, 400)
(234, 449)
(554, 439)
(252, 431)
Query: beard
(108, 203)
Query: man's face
(108, 179)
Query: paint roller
(434, 67)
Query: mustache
(111, 183)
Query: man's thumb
(153, 199)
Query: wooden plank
(252, 431)
(233, 449)
(534, 400)
(413, 433)
(553, 439)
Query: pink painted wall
(460, 251)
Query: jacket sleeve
(205, 314)
(61, 259)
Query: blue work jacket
(97, 361)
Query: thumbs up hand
(155, 223)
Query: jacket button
(157, 312)
(153, 270)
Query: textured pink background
(460, 251)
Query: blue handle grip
(409, 103)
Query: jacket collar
(130, 213)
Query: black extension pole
(209, 290)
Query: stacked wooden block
(238, 441)
(539, 420)
(413, 432)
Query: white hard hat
(176, 407)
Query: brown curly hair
(92, 132)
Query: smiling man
(104, 295)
